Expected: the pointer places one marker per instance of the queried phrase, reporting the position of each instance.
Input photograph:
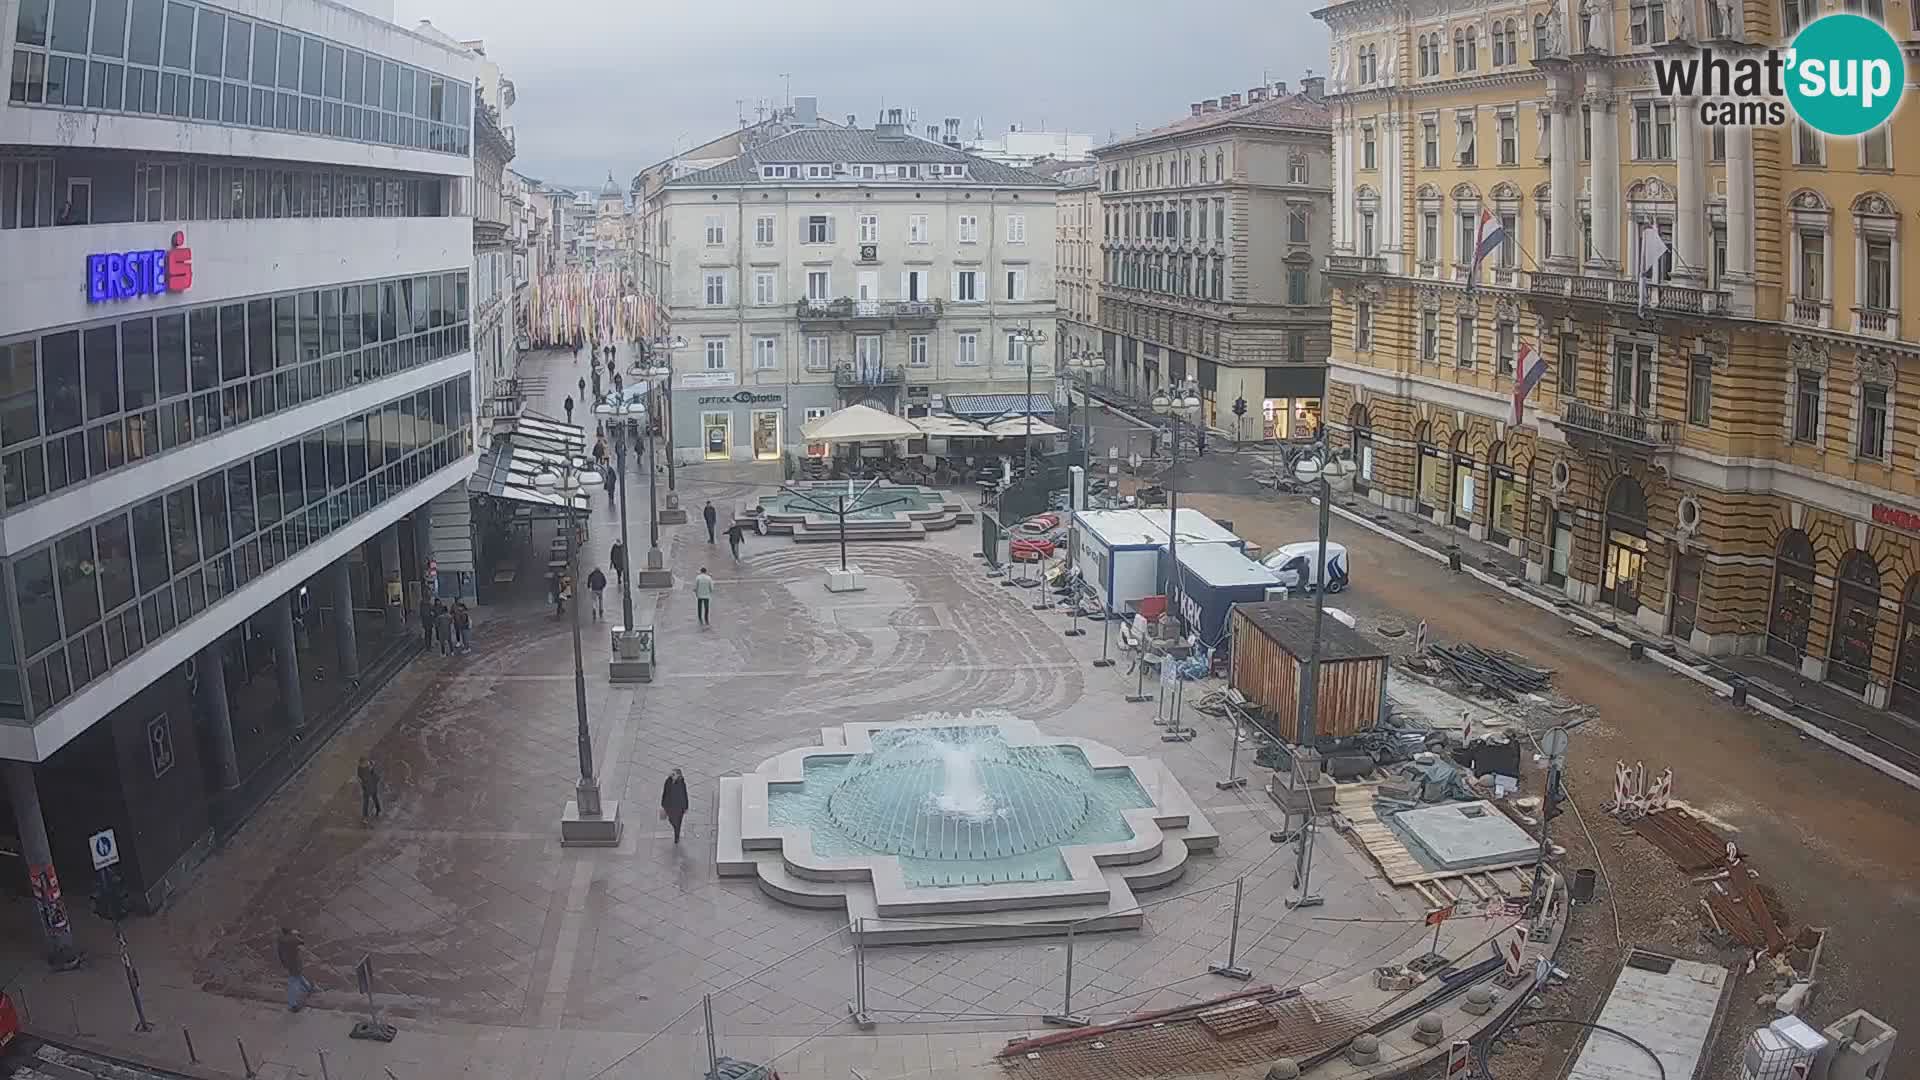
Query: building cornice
(1280, 133)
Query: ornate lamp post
(1080, 368)
(1176, 403)
(1027, 338)
(585, 822)
(656, 575)
(673, 514)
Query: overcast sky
(619, 84)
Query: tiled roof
(979, 405)
(1292, 111)
(856, 146)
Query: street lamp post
(586, 821)
(1027, 338)
(1177, 403)
(656, 575)
(673, 514)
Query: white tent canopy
(858, 423)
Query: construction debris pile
(1481, 671)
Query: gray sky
(619, 84)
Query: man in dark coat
(618, 557)
(735, 533)
(369, 789)
(712, 518)
(673, 801)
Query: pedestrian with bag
(299, 987)
(597, 585)
(673, 801)
(369, 789)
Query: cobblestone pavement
(500, 954)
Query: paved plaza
(498, 953)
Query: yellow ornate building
(1731, 456)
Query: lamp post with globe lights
(656, 575)
(1028, 338)
(653, 362)
(586, 821)
(1177, 403)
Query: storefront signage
(704, 380)
(744, 397)
(125, 275)
(1896, 517)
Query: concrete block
(849, 580)
(629, 671)
(602, 831)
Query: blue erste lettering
(96, 278)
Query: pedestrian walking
(562, 592)
(607, 478)
(426, 625)
(298, 985)
(583, 389)
(568, 405)
(369, 789)
(712, 518)
(673, 801)
(443, 626)
(462, 625)
(703, 596)
(736, 532)
(596, 382)
(597, 585)
(618, 557)
(600, 450)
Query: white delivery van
(1294, 565)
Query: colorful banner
(583, 306)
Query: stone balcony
(1593, 427)
(875, 314)
(1625, 292)
(1355, 265)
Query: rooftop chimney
(852, 121)
(1230, 101)
(893, 126)
(1210, 105)
(1196, 108)
(952, 126)
(1313, 86)
(933, 133)
(1256, 95)
(1280, 88)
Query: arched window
(1203, 168)
(1539, 36)
(1220, 168)
(1856, 619)
(1906, 654)
(1464, 501)
(1459, 50)
(1506, 497)
(1188, 169)
(1791, 612)
(1499, 36)
(1473, 59)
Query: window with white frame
(1717, 145)
(869, 228)
(819, 354)
(867, 352)
(1016, 283)
(1297, 167)
(1509, 139)
(716, 354)
(1809, 396)
(1568, 373)
(1464, 136)
(1463, 340)
(1430, 143)
(1876, 283)
(819, 287)
(764, 293)
(1296, 285)
(1367, 159)
(1540, 36)
(1017, 351)
(1430, 236)
(766, 353)
(812, 413)
(966, 350)
(966, 286)
(716, 231)
(819, 172)
(1363, 326)
(1809, 146)
(1700, 391)
(917, 229)
(1429, 336)
(1203, 217)
(819, 228)
(1509, 240)
(1016, 228)
(1876, 410)
(1633, 377)
(1469, 234)
(1647, 22)
(1653, 131)
(1368, 233)
(1299, 224)
(1812, 270)
(969, 227)
(917, 351)
(1506, 337)
(763, 230)
(716, 288)
(776, 172)
(1220, 221)
(1876, 149)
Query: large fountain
(954, 828)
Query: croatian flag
(1488, 239)
(1533, 368)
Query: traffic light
(110, 900)
(1239, 406)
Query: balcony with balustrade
(1667, 298)
(1355, 265)
(848, 314)
(1809, 311)
(1877, 322)
(852, 375)
(1590, 427)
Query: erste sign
(124, 275)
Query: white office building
(234, 369)
(835, 266)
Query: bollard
(1066, 1017)
(1230, 969)
(324, 1074)
(246, 1064)
(857, 1008)
(192, 1056)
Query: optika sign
(1842, 76)
(129, 274)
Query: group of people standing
(448, 627)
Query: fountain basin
(950, 828)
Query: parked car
(1293, 563)
(735, 1069)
